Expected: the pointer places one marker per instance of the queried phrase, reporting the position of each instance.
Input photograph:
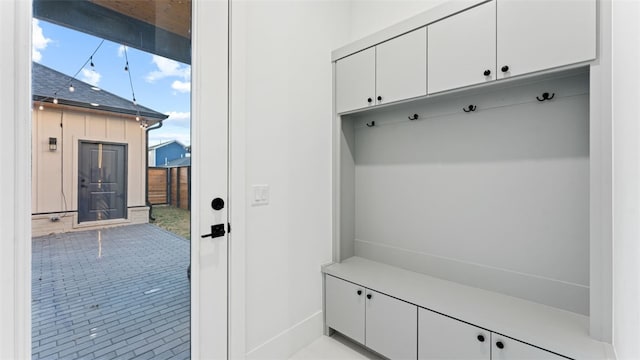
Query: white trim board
(15, 145)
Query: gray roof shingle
(47, 81)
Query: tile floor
(336, 347)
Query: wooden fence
(170, 186)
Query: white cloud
(179, 119)
(90, 76)
(168, 68)
(39, 41)
(181, 86)
(121, 50)
(175, 127)
(165, 134)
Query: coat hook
(414, 117)
(470, 108)
(545, 96)
(372, 124)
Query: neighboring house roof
(157, 146)
(47, 81)
(185, 161)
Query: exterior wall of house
(169, 152)
(55, 173)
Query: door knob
(217, 204)
(216, 231)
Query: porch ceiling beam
(104, 23)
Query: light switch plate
(260, 195)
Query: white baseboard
(290, 341)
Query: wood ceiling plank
(171, 15)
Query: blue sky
(159, 83)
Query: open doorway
(106, 281)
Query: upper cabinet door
(543, 34)
(355, 81)
(391, 327)
(344, 306)
(509, 349)
(401, 67)
(441, 337)
(462, 49)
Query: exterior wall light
(53, 144)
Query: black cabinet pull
(481, 338)
(487, 72)
(369, 296)
(359, 292)
(379, 98)
(505, 68)
(500, 345)
(369, 100)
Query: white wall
(281, 112)
(282, 100)
(369, 16)
(626, 175)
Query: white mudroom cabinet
(466, 164)
(390, 71)
(382, 323)
(442, 337)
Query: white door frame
(15, 154)
(210, 168)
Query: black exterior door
(102, 181)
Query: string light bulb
(71, 88)
(41, 107)
(55, 100)
(126, 67)
(137, 118)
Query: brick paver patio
(121, 295)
